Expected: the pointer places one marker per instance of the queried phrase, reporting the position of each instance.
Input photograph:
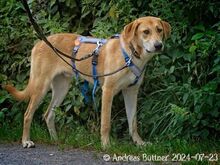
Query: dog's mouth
(148, 51)
(155, 51)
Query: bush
(180, 94)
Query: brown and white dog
(146, 34)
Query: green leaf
(216, 69)
(4, 110)
(197, 36)
(192, 49)
(215, 113)
(20, 77)
(3, 98)
(185, 97)
(205, 133)
(204, 122)
(85, 14)
(2, 115)
(200, 27)
(172, 68)
(52, 2)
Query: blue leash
(85, 90)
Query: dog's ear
(130, 30)
(166, 29)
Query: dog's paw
(143, 143)
(105, 144)
(28, 144)
(140, 143)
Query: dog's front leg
(107, 97)
(130, 98)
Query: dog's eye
(159, 30)
(146, 32)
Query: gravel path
(14, 154)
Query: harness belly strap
(94, 70)
(95, 54)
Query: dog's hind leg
(38, 90)
(60, 87)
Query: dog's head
(147, 34)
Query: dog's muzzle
(153, 47)
(158, 46)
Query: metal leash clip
(128, 62)
(99, 44)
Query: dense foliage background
(180, 96)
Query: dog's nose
(158, 45)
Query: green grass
(83, 139)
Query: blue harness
(134, 68)
(100, 42)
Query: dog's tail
(18, 95)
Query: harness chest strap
(128, 60)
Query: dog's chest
(127, 81)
